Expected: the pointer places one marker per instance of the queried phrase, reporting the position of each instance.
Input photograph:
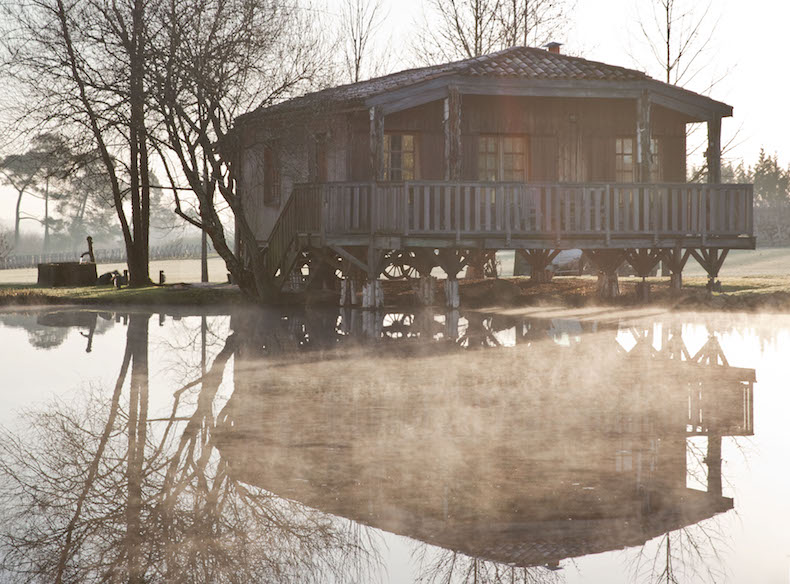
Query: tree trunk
(46, 216)
(137, 430)
(16, 221)
(137, 252)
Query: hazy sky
(748, 51)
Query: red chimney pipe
(553, 47)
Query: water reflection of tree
(445, 566)
(688, 554)
(94, 492)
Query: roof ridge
(539, 52)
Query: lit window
(399, 157)
(624, 160)
(502, 158)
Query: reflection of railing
(556, 210)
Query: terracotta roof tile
(516, 62)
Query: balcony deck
(515, 216)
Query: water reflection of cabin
(522, 149)
(567, 461)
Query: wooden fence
(103, 255)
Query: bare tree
(212, 61)
(81, 66)
(678, 34)
(462, 29)
(360, 21)
(19, 171)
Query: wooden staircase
(300, 216)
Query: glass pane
(395, 142)
(408, 161)
(408, 142)
(627, 145)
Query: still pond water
(592, 446)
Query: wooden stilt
(711, 259)
(424, 260)
(539, 260)
(606, 261)
(675, 260)
(452, 261)
(644, 261)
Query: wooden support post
(675, 260)
(644, 261)
(643, 135)
(539, 261)
(451, 293)
(713, 154)
(424, 260)
(452, 134)
(377, 163)
(451, 324)
(711, 259)
(451, 261)
(606, 261)
(372, 293)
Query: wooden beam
(349, 257)
(452, 135)
(377, 166)
(643, 134)
(713, 153)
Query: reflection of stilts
(672, 345)
(478, 332)
(711, 353)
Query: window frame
(389, 168)
(619, 159)
(500, 155)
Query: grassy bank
(168, 295)
(742, 293)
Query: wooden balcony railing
(641, 213)
(518, 209)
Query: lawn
(170, 295)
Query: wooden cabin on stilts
(524, 149)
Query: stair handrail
(291, 219)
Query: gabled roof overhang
(697, 108)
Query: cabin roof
(518, 71)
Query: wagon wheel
(398, 325)
(490, 265)
(398, 267)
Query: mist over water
(537, 445)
